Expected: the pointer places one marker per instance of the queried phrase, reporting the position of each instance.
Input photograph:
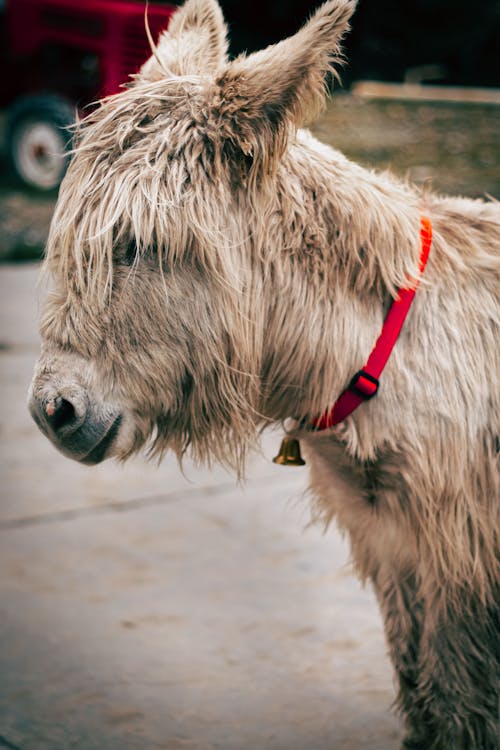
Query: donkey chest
(368, 500)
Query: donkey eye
(130, 254)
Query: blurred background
(63, 54)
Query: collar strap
(365, 384)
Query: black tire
(37, 139)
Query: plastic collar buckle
(364, 384)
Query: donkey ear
(195, 42)
(284, 85)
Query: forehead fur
(150, 139)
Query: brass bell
(289, 453)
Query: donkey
(216, 269)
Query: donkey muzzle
(77, 427)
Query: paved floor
(143, 609)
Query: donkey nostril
(60, 413)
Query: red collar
(364, 385)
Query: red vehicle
(62, 55)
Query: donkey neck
(349, 240)
(366, 224)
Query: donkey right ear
(194, 42)
(265, 95)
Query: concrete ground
(143, 609)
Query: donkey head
(163, 249)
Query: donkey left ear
(195, 42)
(284, 85)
